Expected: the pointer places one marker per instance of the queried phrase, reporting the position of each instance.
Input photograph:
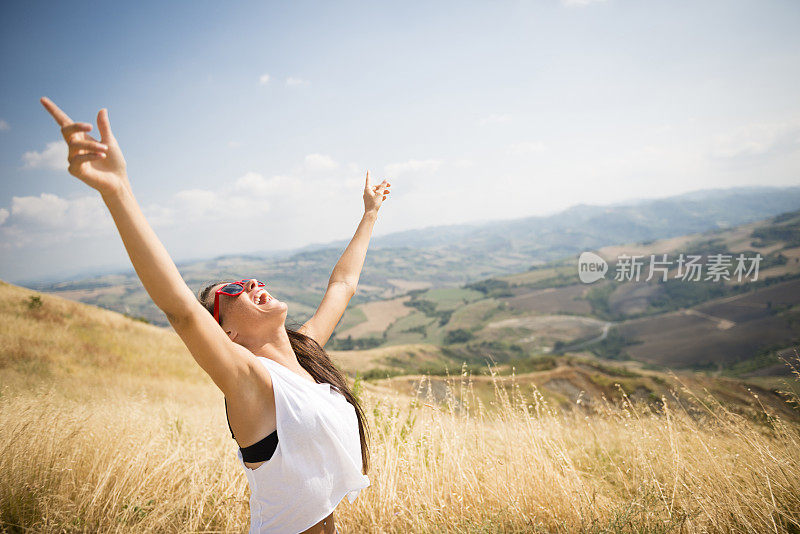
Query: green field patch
(536, 274)
(474, 314)
(451, 297)
(411, 328)
(435, 333)
(787, 232)
(351, 318)
(562, 273)
(413, 319)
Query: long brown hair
(313, 358)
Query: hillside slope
(49, 341)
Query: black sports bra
(260, 451)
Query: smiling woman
(301, 431)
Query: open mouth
(262, 298)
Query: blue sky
(249, 126)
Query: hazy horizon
(126, 268)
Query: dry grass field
(107, 425)
(590, 384)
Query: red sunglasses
(233, 289)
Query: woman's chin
(274, 306)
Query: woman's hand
(374, 195)
(99, 164)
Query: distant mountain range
(621, 223)
(721, 325)
(450, 256)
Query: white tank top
(317, 461)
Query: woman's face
(249, 312)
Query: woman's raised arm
(344, 278)
(101, 166)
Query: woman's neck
(276, 346)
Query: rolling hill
(543, 318)
(448, 256)
(733, 327)
(80, 350)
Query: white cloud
(294, 82)
(4, 126)
(254, 183)
(244, 205)
(320, 162)
(464, 163)
(496, 118)
(234, 144)
(250, 180)
(159, 215)
(526, 147)
(45, 210)
(54, 156)
(413, 166)
(49, 218)
(246, 198)
(756, 140)
(199, 202)
(253, 201)
(203, 205)
(263, 79)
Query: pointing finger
(104, 125)
(61, 118)
(368, 182)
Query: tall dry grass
(117, 463)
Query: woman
(301, 432)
